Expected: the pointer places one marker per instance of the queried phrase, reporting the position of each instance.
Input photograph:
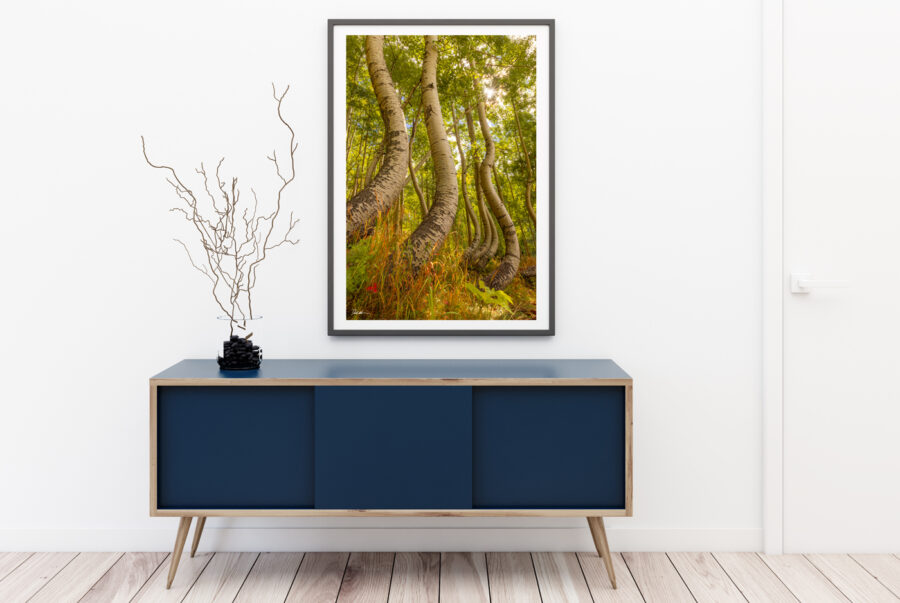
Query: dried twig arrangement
(234, 236)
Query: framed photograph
(440, 185)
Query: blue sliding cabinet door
(393, 447)
(549, 447)
(234, 447)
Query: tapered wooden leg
(598, 532)
(183, 528)
(198, 530)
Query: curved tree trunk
(463, 169)
(499, 185)
(477, 250)
(491, 241)
(509, 265)
(528, 205)
(499, 243)
(415, 182)
(364, 207)
(430, 234)
(488, 250)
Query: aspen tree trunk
(491, 239)
(529, 184)
(468, 220)
(351, 131)
(364, 207)
(528, 204)
(480, 246)
(419, 165)
(498, 185)
(415, 182)
(433, 230)
(499, 188)
(501, 248)
(531, 224)
(509, 265)
(468, 228)
(379, 153)
(400, 210)
(361, 150)
(504, 181)
(412, 170)
(367, 162)
(350, 135)
(463, 169)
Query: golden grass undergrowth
(379, 288)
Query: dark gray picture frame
(551, 325)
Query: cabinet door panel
(388, 447)
(234, 447)
(546, 447)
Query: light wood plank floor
(434, 577)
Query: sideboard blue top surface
(404, 369)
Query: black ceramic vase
(239, 354)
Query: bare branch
(201, 269)
(236, 237)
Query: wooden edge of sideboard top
(306, 512)
(336, 381)
(626, 512)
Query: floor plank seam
(119, 558)
(683, 581)
(440, 574)
(247, 575)
(584, 576)
(18, 565)
(294, 578)
(534, 569)
(44, 585)
(805, 572)
(391, 580)
(890, 590)
(774, 573)
(631, 573)
(725, 571)
(343, 575)
(197, 577)
(149, 576)
(843, 594)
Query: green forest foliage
(501, 70)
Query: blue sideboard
(391, 437)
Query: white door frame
(773, 285)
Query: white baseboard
(385, 539)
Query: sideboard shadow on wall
(368, 438)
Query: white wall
(657, 259)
